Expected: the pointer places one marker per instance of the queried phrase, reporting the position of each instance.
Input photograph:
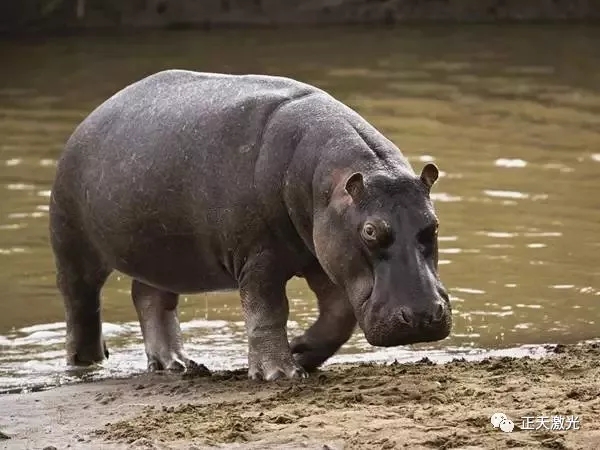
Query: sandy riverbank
(418, 405)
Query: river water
(511, 115)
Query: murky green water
(511, 115)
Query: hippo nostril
(405, 316)
(434, 317)
(438, 313)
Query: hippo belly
(175, 264)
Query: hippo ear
(429, 175)
(355, 185)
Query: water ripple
(506, 194)
(13, 162)
(12, 250)
(20, 187)
(510, 163)
(444, 197)
(468, 290)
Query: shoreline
(65, 376)
(413, 405)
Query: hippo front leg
(157, 312)
(332, 329)
(266, 309)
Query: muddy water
(511, 115)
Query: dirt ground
(369, 406)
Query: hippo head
(377, 237)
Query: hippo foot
(88, 356)
(269, 369)
(176, 363)
(310, 356)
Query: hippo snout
(404, 325)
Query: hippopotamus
(192, 182)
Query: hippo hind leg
(333, 327)
(80, 275)
(157, 313)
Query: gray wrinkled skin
(192, 182)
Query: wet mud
(367, 406)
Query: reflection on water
(515, 130)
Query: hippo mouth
(390, 327)
(396, 334)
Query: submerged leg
(265, 307)
(80, 275)
(81, 295)
(333, 327)
(157, 313)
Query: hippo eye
(427, 239)
(369, 232)
(376, 234)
